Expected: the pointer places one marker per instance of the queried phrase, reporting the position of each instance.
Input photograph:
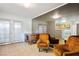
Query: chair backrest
(73, 43)
(44, 37)
(35, 36)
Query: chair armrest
(48, 42)
(74, 53)
(38, 41)
(61, 46)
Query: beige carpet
(22, 49)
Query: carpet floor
(22, 49)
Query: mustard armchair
(71, 48)
(43, 42)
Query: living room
(23, 29)
(60, 23)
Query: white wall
(27, 26)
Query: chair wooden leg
(39, 50)
(46, 50)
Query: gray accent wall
(69, 12)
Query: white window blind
(4, 31)
(18, 31)
(42, 29)
(11, 31)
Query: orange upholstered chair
(71, 48)
(43, 42)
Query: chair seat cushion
(42, 44)
(60, 51)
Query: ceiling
(35, 10)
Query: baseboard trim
(10, 43)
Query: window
(4, 31)
(11, 31)
(18, 31)
(42, 29)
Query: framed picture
(62, 26)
